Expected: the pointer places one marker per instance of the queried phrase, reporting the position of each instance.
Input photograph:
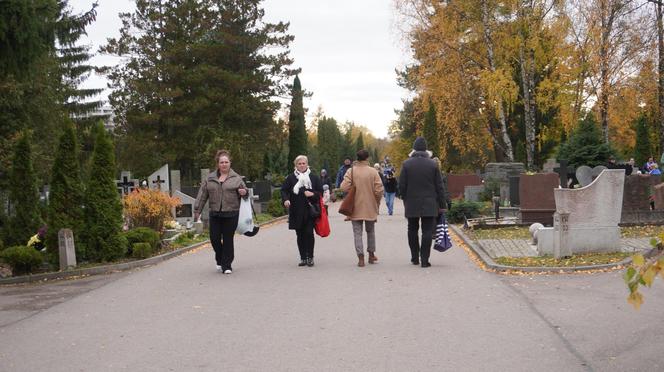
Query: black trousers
(305, 239)
(423, 250)
(222, 230)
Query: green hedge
(142, 235)
(141, 250)
(23, 260)
(461, 208)
(276, 207)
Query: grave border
(492, 265)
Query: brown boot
(372, 258)
(360, 260)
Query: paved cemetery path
(271, 315)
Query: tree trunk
(659, 8)
(509, 153)
(527, 67)
(604, 68)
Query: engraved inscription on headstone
(66, 248)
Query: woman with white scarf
(301, 188)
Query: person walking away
(368, 192)
(325, 179)
(300, 189)
(223, 189)
(390, 191)
(423, 196)
(326, 197)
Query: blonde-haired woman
(223, 188)
(301, 188)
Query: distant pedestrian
(654, 169)
(223, 188)
(368, 192)
(342, 170)
(326, 197)
(325, 179)
(421, 185)
(390, 191)
(300, 189)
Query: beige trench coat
(368, 190)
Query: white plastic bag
(245, 221)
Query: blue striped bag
(442, 236)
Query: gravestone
(502, 171)
(472, 193)
(514, 190)
(184, 213)
(550, 166)
(175, 180)
(563, 173)
(658, 195)
(159, 180)
(584, 174)
(66, 249)
(126, 184)
(636, 193)
(456, 184)
(536, 197)
(263, 189)
(594, 214)
(597, 170)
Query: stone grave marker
(502, 171)
(472, 193)
(536, 197)
(126, 184)
(563, 173)
(456, 183)
(184, 213)
(160, 180)
(550, 166)
(597, 170)
(175, 180)
(658, 194)
(263, 189)
(514, 190)
(66, 249)
(584, 174)
(593, 217)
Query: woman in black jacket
(301, 188)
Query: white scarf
(302, 180)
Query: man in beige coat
(368, 192)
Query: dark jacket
(298, 212)
(327, 181)
(341, 173)
(390, 185)
(222, 197)
(421, 186)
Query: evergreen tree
(585, 145)
(642, 150)
(103, 209)
(430, 131)
(65, 207)
(24, 219)
(348, 146)
(359, 142)
(200, 74)
(375, 155)
(297, 133)
(329, 142)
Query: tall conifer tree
(297, 133)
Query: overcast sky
(347, 50)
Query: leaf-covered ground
(521, 232)
(587, 259)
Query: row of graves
(169, 181)
(569, 210)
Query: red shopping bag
(322, 224)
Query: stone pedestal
(66, 249)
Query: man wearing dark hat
(421, 186)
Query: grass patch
(512, 232)
(262, 218)
(587, 259)
(184, 240)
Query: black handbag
(314, 209)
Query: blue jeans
(389, 200)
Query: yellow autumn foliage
(149, 208)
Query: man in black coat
(421, 186)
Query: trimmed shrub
(23, 260)
(149, 208)
(142, 235)
(276, 207)
(462, 208)
(103, 210)
(141, 250)
(491, 188)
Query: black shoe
(303, 262)
(425, 264)
(310, 262)
(415, 261)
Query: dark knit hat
(420, 144)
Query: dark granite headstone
(536, 197)
(264, 190)
(502, 171)
(456, 183)
(636, 193)
(514, 190)
(658, 193)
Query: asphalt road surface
(271, 315)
